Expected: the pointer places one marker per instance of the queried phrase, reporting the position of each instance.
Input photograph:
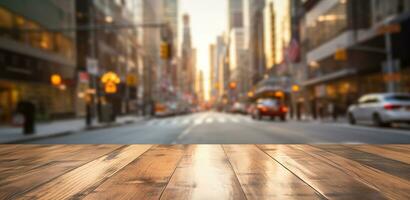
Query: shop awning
(329, 77)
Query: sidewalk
(57, 128)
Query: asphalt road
(222, 128)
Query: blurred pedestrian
(330, 109)
(28, 110)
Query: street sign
(110, 77)
(83, 77)
(110, 80)
(390, 28)
(92, 66)
(110, 88)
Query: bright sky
(208, 20)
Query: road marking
(209, 120)
(221, 120)
(186, 121)
(152, 122)
(198, 121)
(175, 121)
(183, 134)
(235, 120)
(163, 122)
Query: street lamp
(295, 88)
(56, 80)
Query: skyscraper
(187, 60)
(235, 14)
(254, 37)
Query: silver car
(381, 109)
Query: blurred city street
(320, 68)
(223, 128)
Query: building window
(326, 26)
(46, 41)
(6, 22)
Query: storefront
(27, 78)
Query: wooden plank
(329, 180)
(204, 173)
(391, 186)
(385, 152)
(263, 178)
(87, 177)
(399, 148)
(25, 159)
(386, 165)
(144, 178)
(31, 173)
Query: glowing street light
(56, 79)
(295, 88)
(232, 85)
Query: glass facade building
(35, 42)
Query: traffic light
(295, 88)
(341, 55)
(232, 85)
(165, 51)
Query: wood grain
(31, 171)
(393, 167)
(87, 177)
(25, 159)
(330, 181)
(204, 173)
(144, 178)
(263, 178)
(391, 186)
(385, 152)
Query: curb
(65, 133)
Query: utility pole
(90, 104)
(389, 70)
(389, 67)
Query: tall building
(270, 34)
(112, 49)
(235, 14)
(152, 12)
(277, 30)
(188, 60)
(171, 16)
(29, 58)
(254, 37)
(199, 87)
(352, 28)
(237, 60)
(222, 71)
(213, 69)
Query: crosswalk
(199, 120)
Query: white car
(381, 109)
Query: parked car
(238, 108)
(381, 109)
(270, 108)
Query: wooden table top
(204, 172)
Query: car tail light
(263, 109)
(284, 109)
(391, 107)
